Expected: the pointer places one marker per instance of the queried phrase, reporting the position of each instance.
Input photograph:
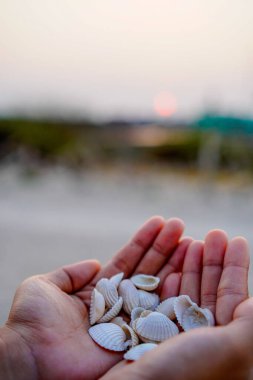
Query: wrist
(16, 359)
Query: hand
(215, 276)
(49, 322)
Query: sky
(131, 58)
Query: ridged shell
(109, 336)
(130, 295)
(136, 312)
(113, 312)
(181, 304)
(167, 308)
(145, 313)
(117, 278)
(195, 317)
(156, 327)
(148, 300)
(132, 337)
(137, 352)
(145, 281)
(97, 306)
(118, 321)
(109, 291)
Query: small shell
(130, 295)
(132, 337)
(145, 282)
(97, 306)
(137, 352)
(195, 317)
(181, 304)
(117, 278)
(113, 312)
(155, 327)
(118, 321)
(148, 300)
(109, 336)
(109, 291)
(167, 308)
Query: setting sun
(165, 104)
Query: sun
(165, 104)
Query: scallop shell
(148, 300)
(117, 278)
(137, 352)
(155, 327)
(195, 317)
(145, 281)
(132, 337)
(109, 336)
(97, 306)
(130, 295)
(113, 312)
(118, 321)
(181, 304)
(109, 291)
(167, 308)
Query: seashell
(148, 300)
(113, 312)
(135, 313)
(181, 304)
(145, 282)
(117, 278)
(145, 313)
(109, 336)
(118, 321)
(195, 317)
(130, 295)
(167, 308)
(97, 306)
(109, 291)
(155, 327)
(137, 352)
(131, 335)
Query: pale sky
(112, 57)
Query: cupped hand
(50, 312)
(214, 275)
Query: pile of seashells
(151, 322)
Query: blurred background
(111, 112)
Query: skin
(46, 335)
(215, 276)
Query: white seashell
(145, 313)
(155, 327)
(118, 321)
(117, 278)
(97, 306)
(109, 291)
(132, 337)
(167, 308)
(113, 312)
(130, 295)
(109, 336)
(195, 317)
(148, 300)
(137, 352)
(145, 282)
(135, 313)
(181, 304)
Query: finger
(175, 262)
(130, 255)
(171, 286)
(163, 246)
(73, 277)
(192, 271)
(233, 286)
(214, 251)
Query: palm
(51, 311)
